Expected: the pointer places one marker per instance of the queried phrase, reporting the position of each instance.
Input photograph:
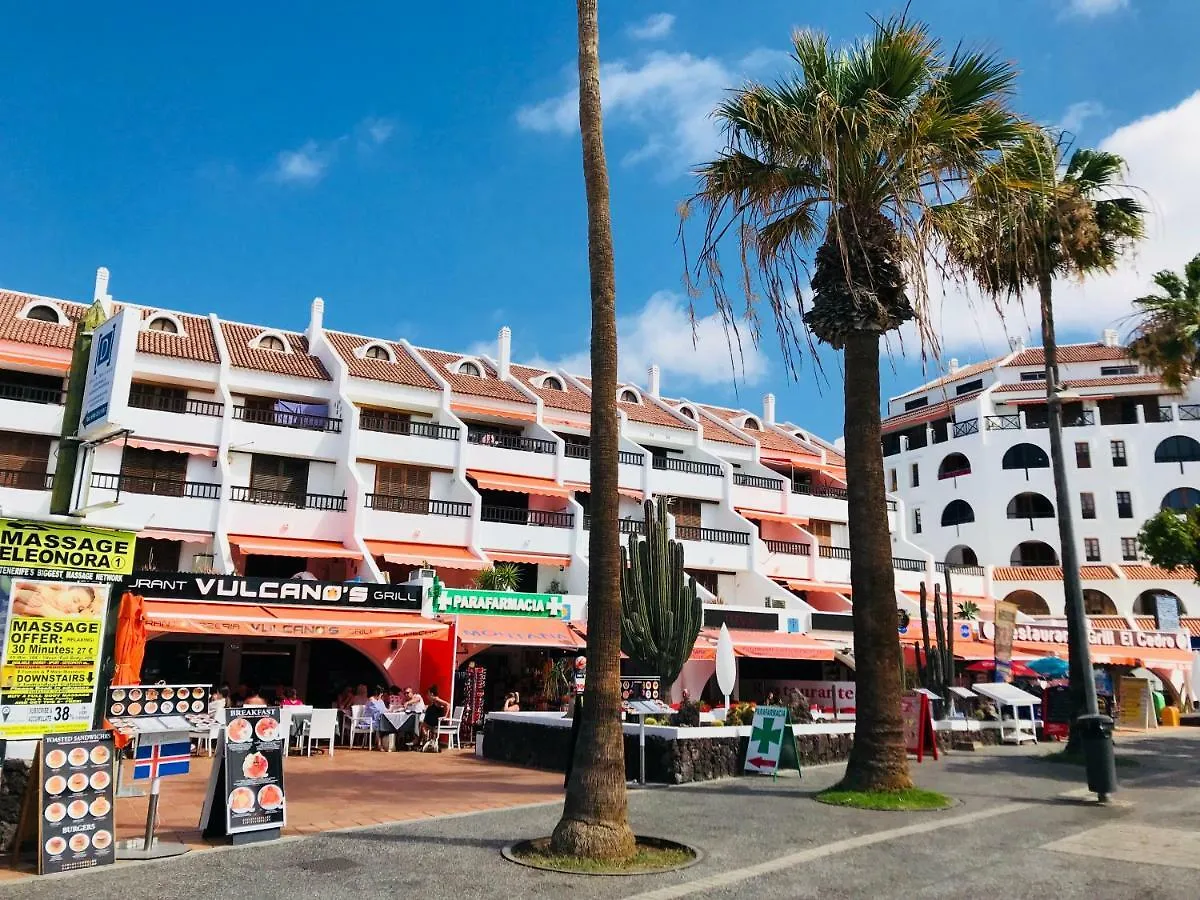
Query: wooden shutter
(686, 512)
(822, 531)
(279, 473)
(158, 396)
(153, 471)
(706, 580)
(24, 460)
(407, 483)
(388, 421)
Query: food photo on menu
(254, 769)
(77, 811)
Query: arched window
(1029, 603)
(752, 424)
(44, 312)
(273, 343)
(961, 555)
(377, 351)
(163, 324)
(628, 396)
(1146, 604)
(687, 412)
(1098, 603)
(954, 465)
(1030, 505)
(551, 383)
(470, 368)
(1177, 449)
(1181, 499)
(1025, 456)
(957, 512)
(1033, 553)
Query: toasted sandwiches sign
(281, 591)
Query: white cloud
(311, 161)
(1078, 114)
(661, 334)
(1166, 171)
(656, 26)
(666, 99)
(376, 132)
(1091, 9)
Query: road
(1019, 829)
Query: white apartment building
(968, 455)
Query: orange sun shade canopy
(304, 549)
(253, 620)
(520, 484)
(437, 555)
(773, 645)
(537, 559)
(172, 447)
(518, 631)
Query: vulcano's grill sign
(282, 591)
(50, 550)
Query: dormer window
(377, 351)
(752, 424)
(470, 368)
(163, 324)
(44, 312)
(551, 383)
(628, 396)
(271, 342)
(687, 412)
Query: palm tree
(500, 577)
(1167, 338)
(1052, 216)
(846, 156)
(595, 819)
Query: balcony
(509, 515)
(26, 481)
(629, 458)
(820, 490)
(758, 481)
(296, 500)
(1189, 412)
(965, 427)
(420, 506)
(826, 551)
(26, 394)
(791, 548)
(1002, 423)
(510, 441)
(384, 425)
(285, 419)
(712, 535)
(671, 464)
(160, 487)
(181, 406)
(962, 570)
(577, 451)
(1078, 419)
(625, 526)
(903, 564)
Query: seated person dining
(435, 710)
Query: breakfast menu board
(75, 812)
(254, 770)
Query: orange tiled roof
(926, 413)
(947, 380)
(196, 343)
(299, 363)
(1113, 381)
(1070, 353)
(650, 413)
(571, 398)
(1156, 573)
(33, 331)
(491, 386)
(405, 370)
(1051, 573)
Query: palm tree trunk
(878, 760)
(1079, 663)
(595, 820)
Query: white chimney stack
(769, 409)
(1111, 338)
(316, 318)
(655, 384)
(504, 350)
(101, 293)
(953, 366)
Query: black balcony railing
(285, 419)
(965, 427)
(1165, 414)
(26, 481)
(625, 526)
(827, 552)
(1189, 412)
(791, 548)
(385, 425)
(181, 405)
(711, 535)
(904, 564)
(510, 441)
(577, 451)
(758, 481)
(1002, 423)
(671, 464)
(510, 515)
(160, 487)
(28, 394)
(325, 502)
(891, 505)
(629, 458)
(964, 570)
(420, 506)
(831, 491)
(1079, 419)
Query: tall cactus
(661, 611)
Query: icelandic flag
(160, 760)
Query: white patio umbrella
(726, 664)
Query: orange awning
(537, 559)
(829, 601)
(498, 413)
(520, 484)
(172, 447)
(35, 357)
(631, 493)
(773, 644)
(772, 516)
(1150, 657)
(303, 549)
(518, 631)
(437, 555)
(253, 620)
(818, 586)
(172, 534)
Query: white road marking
(1134, 843)
(733, 876)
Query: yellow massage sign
(51, 550)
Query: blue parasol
(1049, 667)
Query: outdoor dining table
(394, 723)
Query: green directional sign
(766, 739)
(469, 601)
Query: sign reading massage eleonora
(468, 601)
(50, 550)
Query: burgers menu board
(75, 812)
(253, 761)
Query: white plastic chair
(322, 727)
(285, 727)
(449, 728)
(300, 711)
(360, 724)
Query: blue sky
(417, 165)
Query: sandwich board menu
(245, 792)
(919, 736)
(71, 795)
(52, 636)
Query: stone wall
(12, 791)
